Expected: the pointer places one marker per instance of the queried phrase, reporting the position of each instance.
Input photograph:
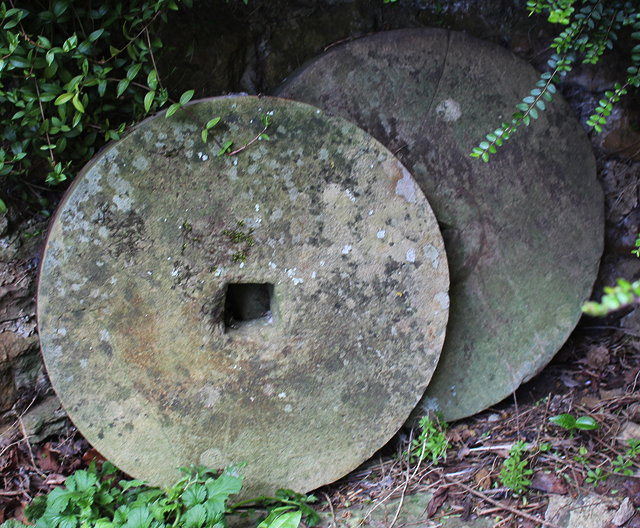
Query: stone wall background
(223, 47)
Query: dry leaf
(549, 483)
(482, 478)
(597, 358)
(436, 501)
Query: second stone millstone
(282, 306)
(524, 232)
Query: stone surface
(585, 511)
(524, 233)
(281, 307)
(22, 377)
(411, 511)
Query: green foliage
(92, 498)
(514, 474)
(636, 250)
(623, 294)
(283, 509)
(591, 27)
(432, 441)
(571, 423)
(623, 463)
(74, 74)
(595, 476)
(581, 457)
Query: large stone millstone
(280, 306)
(523, 233)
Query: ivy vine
(592, 27)
(73, 75)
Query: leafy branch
(590, 30)
(70, 79)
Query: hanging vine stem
(590, 31)
(527, 110)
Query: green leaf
(133, 71)
(195, 517)
(152, 79)
(212, 122)
(172, 109)
(3, 207)
(77, 104)
(565, 420)
(195, 494)
(44, 41)
(265, 137)
(204, 135)
(226, 147)
(139, 517)
(540, 104)
(533, 113)
(289, 519)
(58, 499)
(587, 423)
(95, 35)
(127, 484)
(68, 521)
(70, 43)
(122, 86)
(81, 480)
(50, 56)
(148, 100)
(19, 62)
(186, 97)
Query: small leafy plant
(571, 423)
(636, 250)
(596, 476)
(93, 498)
(432, 441)
(622, 464)
(514, 474)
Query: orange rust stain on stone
(140, 331)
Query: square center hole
(247, 302)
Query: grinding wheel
(523, 233)
(281, 306)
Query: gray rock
(524, 233)
(281, 307)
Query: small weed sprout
(622, 464)
(432, 441)
(636, 250)
(595, 476)
(581, 457)
(571, 423)
(514, 474)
